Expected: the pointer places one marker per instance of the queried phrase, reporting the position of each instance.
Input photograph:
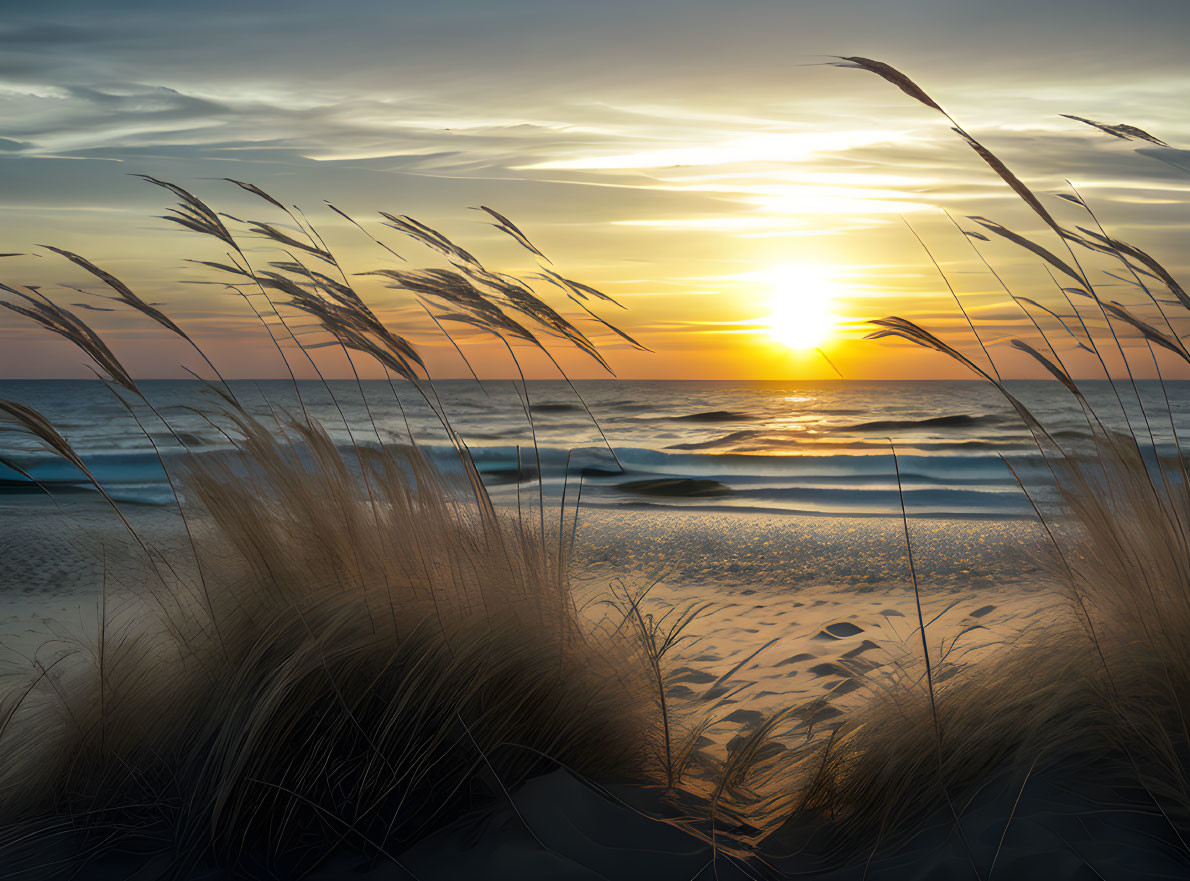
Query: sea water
(782, 447)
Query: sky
(750, 205)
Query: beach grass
(357, 647)
(1098, 696)
(354, 648)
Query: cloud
(760, 147)
(650, 146)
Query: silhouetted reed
(375, 646)
(1102, 693)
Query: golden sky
(700, 163)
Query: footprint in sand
(797, 659)
(745, 717)
(828, 669)
(892, 613)
(766, 751)
(816, 710)
(865, 646)
(838, 630)
(843, 686)
(688, 674)
(980, 612)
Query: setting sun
(802, 299)
(733, 463)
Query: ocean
(820, 448)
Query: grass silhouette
(357, 646)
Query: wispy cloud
(760, 147)
(674, 151)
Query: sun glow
(802, 302)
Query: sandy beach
(809, 613)
(813, 613)
(595, 442)
(775, 582)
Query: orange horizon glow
(748, 238)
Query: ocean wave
(675, 487)
(744, 507)
(778, 445)
(954, 420)
(715, 416)
(845, 485)
(511, 475)
(811, 448)
(750, 440)
(726, 440)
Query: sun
(802, 304)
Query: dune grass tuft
(357, 646)
(1100, 696)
